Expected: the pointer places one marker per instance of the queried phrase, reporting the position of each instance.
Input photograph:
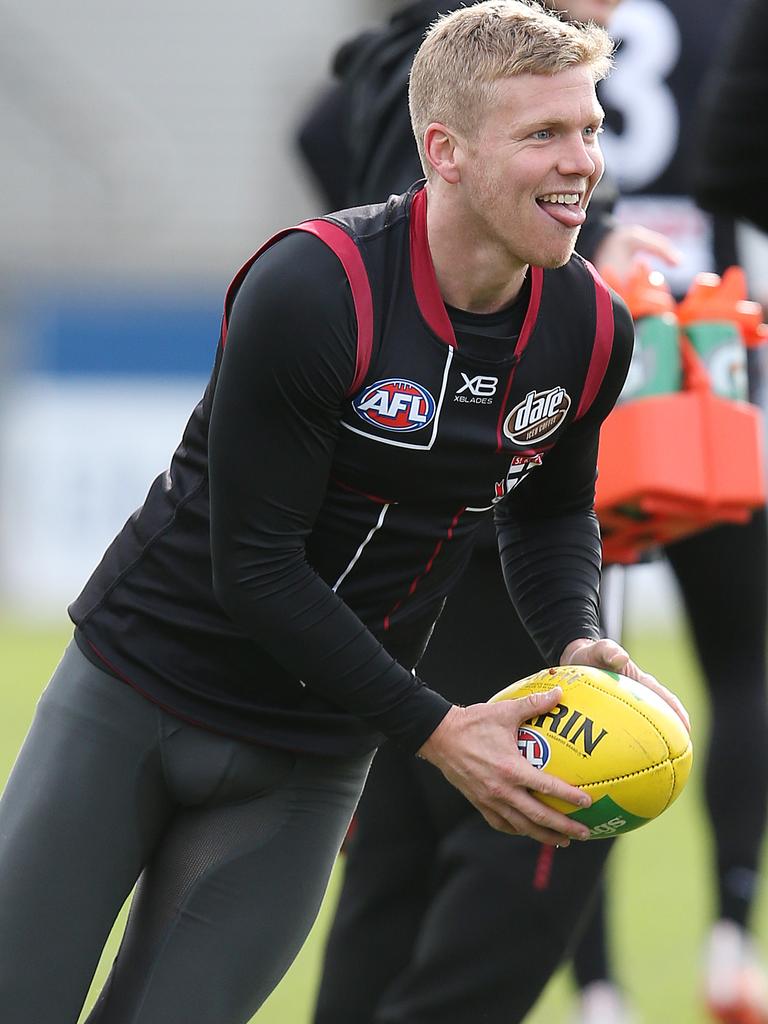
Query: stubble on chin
(556, 259)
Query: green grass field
(662, 899)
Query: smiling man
(513, 187)
(433, 922)
(251, 634)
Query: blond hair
(466, 52)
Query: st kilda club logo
(533, 747)
(396, 404)
(538, 415)
(519, 468)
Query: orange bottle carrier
(683, 449)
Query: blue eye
(543, 133)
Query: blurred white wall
(147, 151)
(155, 140)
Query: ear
(441, 146)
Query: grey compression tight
(232, 845)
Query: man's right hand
(476, 749)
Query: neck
(474, 271)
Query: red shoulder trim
(602, 345)
(425, 288)
(534, 302)
(531, 314)
(239, 277)
(337, 239)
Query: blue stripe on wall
(113, 335)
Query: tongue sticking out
(569, 214)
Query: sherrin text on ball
(612, 737)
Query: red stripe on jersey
(531, 315)
(543, 872)
(603, 343)
(148, 696)
(427, 568)
(363, 494)
(425, 287)
(337, 239)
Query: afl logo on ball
(538, 415)
(396, 404)
(533, 747)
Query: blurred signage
(91, 419)
(76, 458)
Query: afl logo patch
(396, 404)
(538, 415)
(532, 746)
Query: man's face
(527, 176)
(599, 11)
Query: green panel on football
(606, 818)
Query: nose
(578, 157)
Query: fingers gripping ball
(613, 738)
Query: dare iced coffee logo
(538, 415)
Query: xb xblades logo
(479, 390)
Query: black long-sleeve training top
(282, 578)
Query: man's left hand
(610, 655)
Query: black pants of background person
(440, 917)
(443, 920)
(723, 583)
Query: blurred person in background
(729, 169)
(422, 931)
(658, 97)
(251, 633)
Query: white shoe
(602, 1003)
(735, 980)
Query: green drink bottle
(655, 368)
(712, 316)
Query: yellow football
(610, 736)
